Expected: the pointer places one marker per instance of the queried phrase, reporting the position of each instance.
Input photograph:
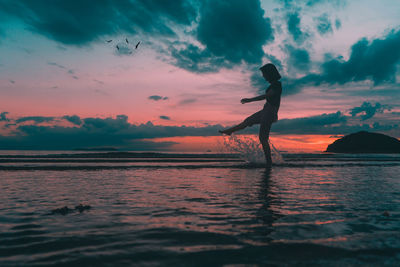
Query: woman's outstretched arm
(269, 93)
(257, 98)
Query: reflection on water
(203, 216)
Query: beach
(198, 209)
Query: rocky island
(365, 142)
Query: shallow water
(329, 210)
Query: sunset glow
(338, 77)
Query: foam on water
(250, 149)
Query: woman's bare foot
(225, 132)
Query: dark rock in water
(365, 142)
(82, 208)
(63, 211)
(386, 213)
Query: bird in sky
(109, 41)
(117, 47)
(137, 45)
(126, 39)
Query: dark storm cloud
(293, 24)
(81, 22)
(234, 29)
(195, 59)
(332, 123)
(298, 58)
(157, 97)
(324, 24)
(73, 119)
(230, 32)
(338, 24)
(368, 110)
(3, 116)
(374, 60)
(118, 132)
(35, 119)
(309, 124)
(98, 132)
(163, 117)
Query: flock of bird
(126, 40)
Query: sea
(198, 209)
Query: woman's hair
(271, 72)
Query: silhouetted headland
(365, 142)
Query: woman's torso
(275, 98)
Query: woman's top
(275, 98)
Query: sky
(65, 85)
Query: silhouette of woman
(266, 116)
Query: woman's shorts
(268, 114)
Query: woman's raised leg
(249, 121)
(235, 128)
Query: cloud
(293, 24)
(290, 86)
(374, 60)
(98, 81)
(298, 58)
(56, 64)
(118, 132)
(309, 124)
(98, 132)
(312, 3)
(229, 32)
(35, 119)
(73, 119)
(82, 22)
(324, 24)
(335, 3)
(187, 101)
(122, 48)
(195, 59)
(368, 110)
(328, 123)
(338, 24)
(157, 97)
(68, 71)
(234, 29)
(163, 117)
(3, 116)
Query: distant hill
(365, 142)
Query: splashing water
(250, 149)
